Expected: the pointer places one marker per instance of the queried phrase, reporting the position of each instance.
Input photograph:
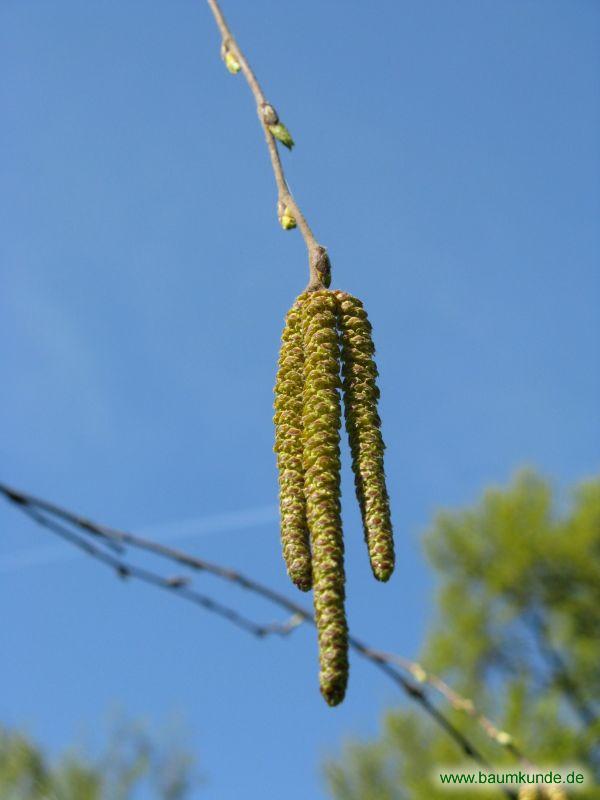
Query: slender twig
(107, 536)
(461, 703)
(177, 584)
(465, 705)
(41, 511)
(318, 261)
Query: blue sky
(447, 154)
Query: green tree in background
(132, 761)
(517, 631)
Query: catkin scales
(327, 355)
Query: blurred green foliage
(517, 631)
(132, 762)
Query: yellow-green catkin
(321, 437)
(288, 446)
(361, 394)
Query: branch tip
(275, 131)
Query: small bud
(295, 621)
(504, 738)
(231, 62)
(269, 114)
(418, 673)
(281, 133)
(287, 220)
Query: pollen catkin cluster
(326, 337)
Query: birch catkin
(288, 446)
(327, 332)
(363, 426)
(320, 436)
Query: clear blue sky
(447, 154)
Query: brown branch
(318, 260)
(42, 512)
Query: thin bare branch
(38, 510)
(460, 703)
(176, 584)
(318, 260)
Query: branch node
(269, 114)
(231, 62)
(320, 269)
(177, 581)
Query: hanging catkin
(320, 435)
(307, 439)
(288, 446)
(363, 426)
